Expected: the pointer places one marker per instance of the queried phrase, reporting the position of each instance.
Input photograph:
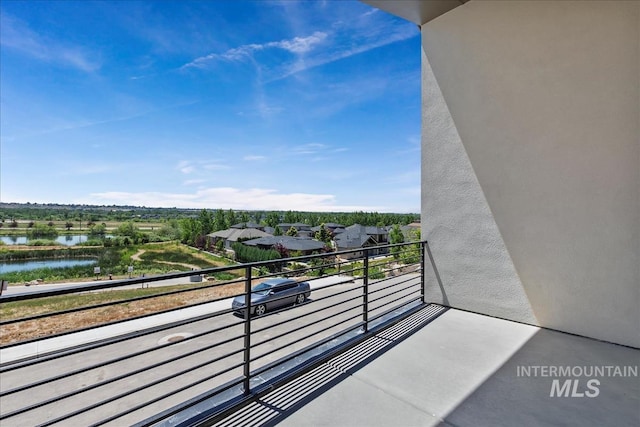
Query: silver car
(273, 293)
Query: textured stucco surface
(544, 103)
(473, 265)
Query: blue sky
(264, 105)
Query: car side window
(286, 287)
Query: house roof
(351, 241)
(235, 234)
(291, 243)
(222, 233)
(297, 225)
(366, 229)
(329, 225)
(247, 225)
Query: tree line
(224, 218)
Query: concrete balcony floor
(444, 367)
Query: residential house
(233, 235)
(304, 230)
(303, 245)
(360, 236)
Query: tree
(201, 241)
(292, 232)
(98, 230)
(127, 229)
(290, 217)
(206, 221)
(324, 235)
(411, 253)
(171, 230)
(277, 231)
(396, 236)
(281, 249)
(190, 230)
(41, 230)
(321, 264)
(68, 225)
(231, 217)
(220, 221)
(272, 219)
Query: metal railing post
(423, 254)
(365, 291)
(247, 332)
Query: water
(67, 240)
(13, 266)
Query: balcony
(365, 339)
(446, 367)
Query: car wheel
(300, 299)
(260, 310)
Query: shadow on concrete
(462, 369)
(526, 391)
(286, 400)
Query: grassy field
(60, 323)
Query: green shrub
(224, 276)
(251, 254)
(43, 242)
(42, 230)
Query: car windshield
(262, 289)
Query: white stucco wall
(531, 162)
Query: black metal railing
(194, 357)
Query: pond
(67, 239)
(13, 266)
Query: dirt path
(136, 257)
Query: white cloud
(253, 158)
(18, 36)
(300, 45)
(296, 45)
(89, 170)
(188, 167)
(185, 167)
(229, 198)
(193, 182)
(312, 148)
(350, 47)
